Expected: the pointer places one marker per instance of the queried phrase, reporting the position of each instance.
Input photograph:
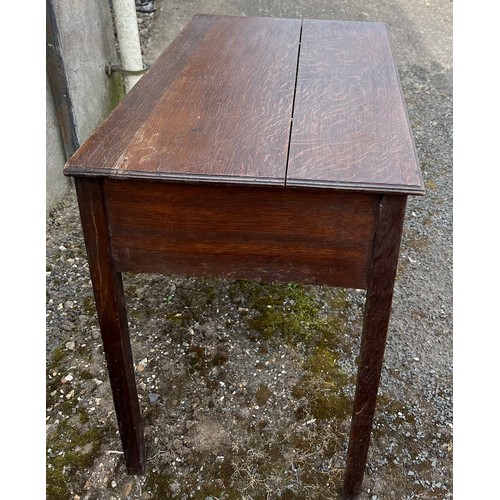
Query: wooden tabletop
(268, 101)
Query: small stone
(219, 459)
(70, 345)
(142, 364)
(68, 304)
(67, 378)
(76, 497)
(374, 497)
(113, 484)
(70, 394)
(127, 488)
(146, 7)
(153, 397)
(411, 473)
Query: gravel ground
(245, 388)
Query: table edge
(360, 187)
(245, 181)
(74, 171)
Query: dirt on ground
(246, 388)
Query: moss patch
(57, 356)
(322, 385)
(70, 450)
(116, 90)
(292, 313)
(159, 483)
(288, 312)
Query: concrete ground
(421, 30)
(230, 410)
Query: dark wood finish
(258, 233)
(223, 115)
(313, 120)
(58, 81)
(376, 321)
(350, 128)
(112, 315)
(103, 148)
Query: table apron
(241, 232)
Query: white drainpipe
(128, 40)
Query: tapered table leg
(376, 320)
(111, 310)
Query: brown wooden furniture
(257, 148)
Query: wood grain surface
(112, 314)
(216, 105)
(350, 128)
(260, 233)
(376, 321)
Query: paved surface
(422, 30)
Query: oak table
(261, 149)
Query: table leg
(111, 310)
(376, 320)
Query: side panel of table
(258, 233)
